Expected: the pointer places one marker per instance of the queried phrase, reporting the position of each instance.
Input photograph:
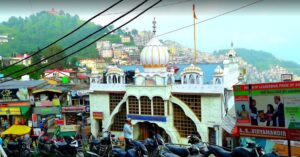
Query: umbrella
(17, 130)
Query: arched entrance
(145, 129)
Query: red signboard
(98, 115)
(73, 109)
(294, 135)
(263, 132)
(59, 122)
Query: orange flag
(194, 12)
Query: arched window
(169, 80)
(158, 106)
(218, 81)
(184, 79)
(192, 79)
(133, 104)
(145, 105)
(119, 79)
(93, 80)
(150, 82)
(114, 79)
(197, 79)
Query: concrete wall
(99, 103)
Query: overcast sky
(270, 25)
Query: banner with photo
(273, 105)
(17, 94)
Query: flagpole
(194, 18)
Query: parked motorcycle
(17, 149)
(138, 150)
(250, 150)
(45, 146)
(69, 148)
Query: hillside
(36, 31)
(263, 60)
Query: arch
(197, 79)
(192, 79)
(150, 82)
(184, 79)
(218, 81)
(201, 128)
(114, 79)
(169, 81)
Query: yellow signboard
(10, 111)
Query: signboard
(270, 106)
(46, 110)
(97, 115)
(18, 94)
(37, 131)
(10, 111)
(65, 128)
(148, 118)
(263, 132)
(73, 109)
(59, 122)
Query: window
(133, 104)
(119, 119)
(145, 105)
(183, 124)
(192, 79)
(158, 106)
(193, 101)
(114, 100)
(218, 81)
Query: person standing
(279, 112)
(128, 133)
(253, 112)
(269, 115)
(244, 114)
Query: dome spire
(154, 26)
(231, 44)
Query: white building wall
(211, 110)
(99, 103)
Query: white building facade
(174, 104)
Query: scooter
(138, 150)
(156, 147)
(68, 149)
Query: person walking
(128, 134)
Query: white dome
(115, 70)
(192, 69)
(154, 54)
(219, 71)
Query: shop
(74, 114)
(45, 113)
(14, 114)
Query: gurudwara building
(176, 103)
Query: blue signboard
(148, 118)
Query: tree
(53, 50)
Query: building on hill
(3, 39)
(192, 100)
(125, 39)
(97, 65)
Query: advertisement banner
(270, 106)
(18, 94)
(263, 132)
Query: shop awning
(24, 109)
(17, 130)
(47, 90)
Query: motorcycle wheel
(26, 153)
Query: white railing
(198, 88)
(107, 87)
(2, 152)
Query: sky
(269, 25)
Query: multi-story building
(192, 100)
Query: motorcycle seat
(95, 142)
(183, 152)
(119, 152)
(217, 151)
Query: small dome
(192, 69)
(231, 53)
(115, 70)
(154, 54)
(219, 70)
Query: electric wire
(79, 41)
(89, 43)
(76, 29)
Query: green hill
(38, 30)
(263, 60)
